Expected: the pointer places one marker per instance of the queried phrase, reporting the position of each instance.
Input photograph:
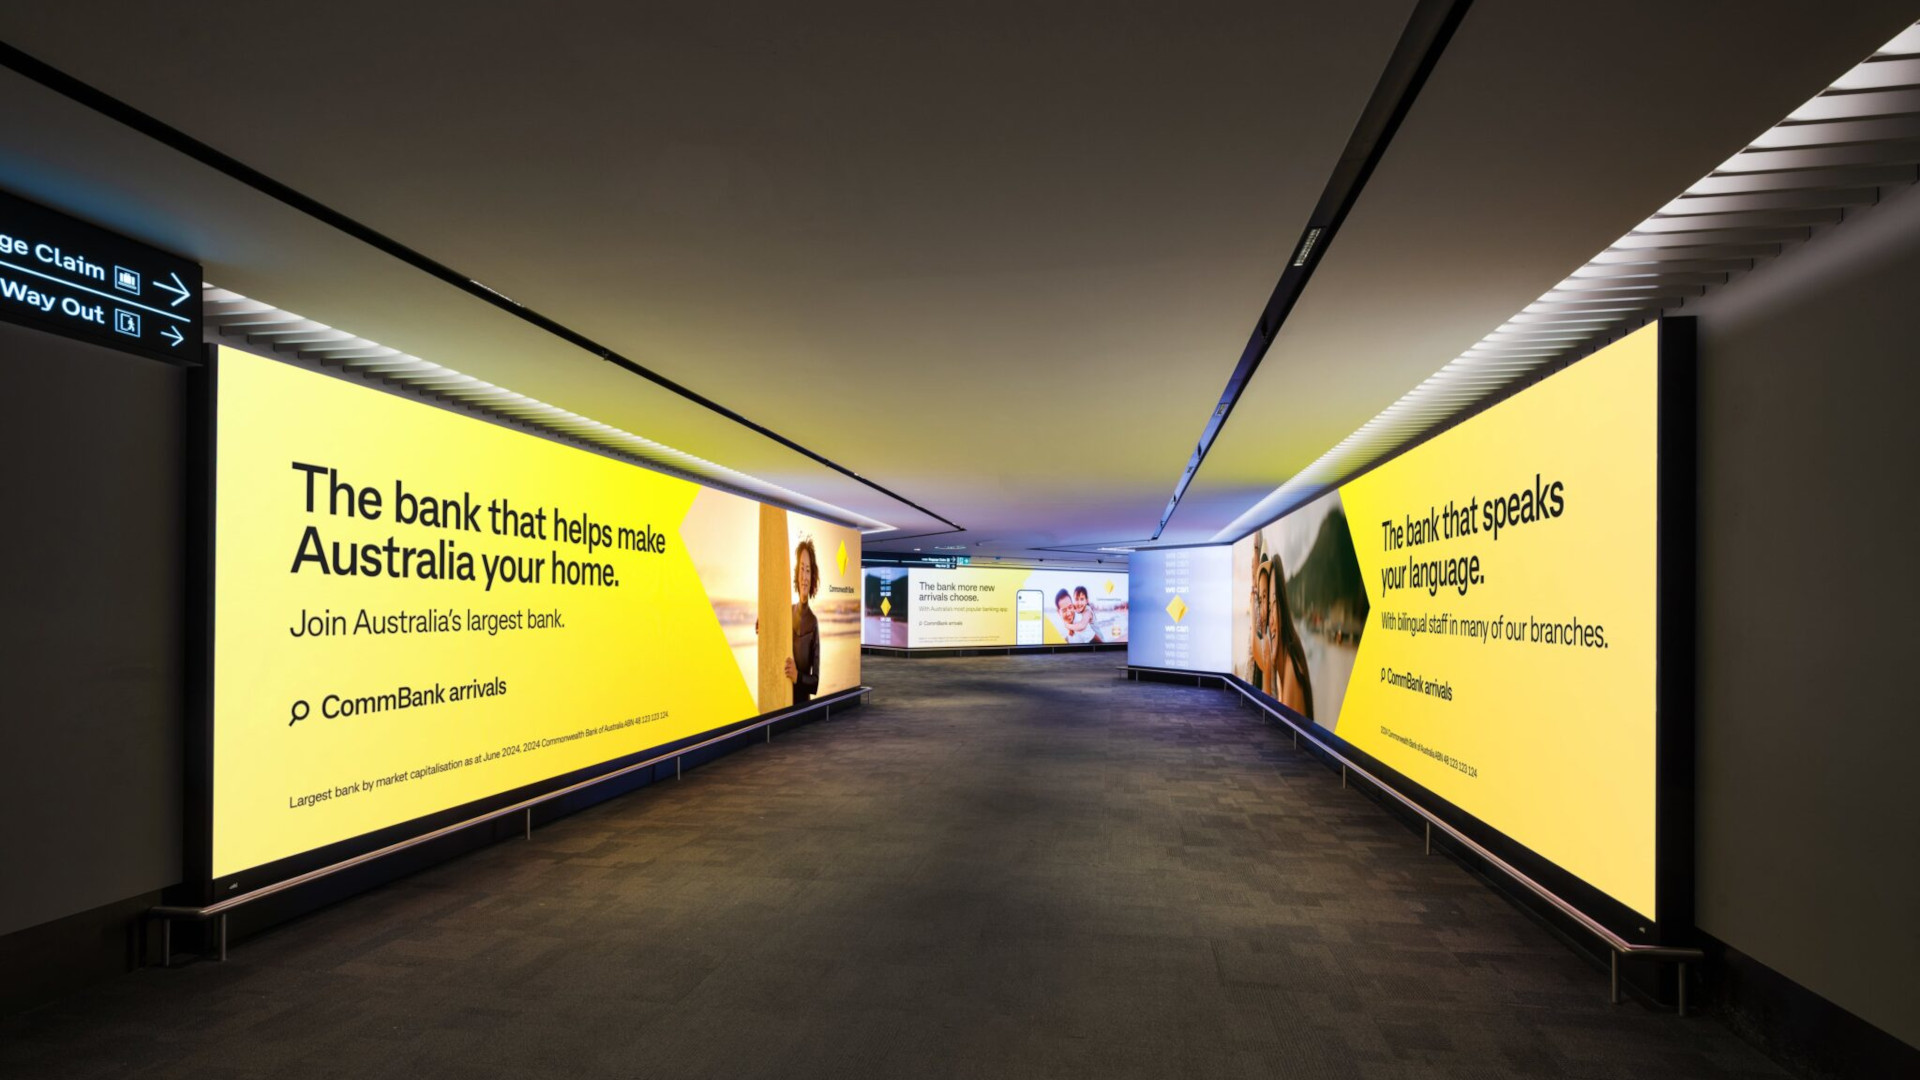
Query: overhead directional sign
(938, 562)
(69, 277)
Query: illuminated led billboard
(1185, 615)
(417, 611)
(979, 606)
(1479, 615)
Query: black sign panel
(937, 562)
(66, 276)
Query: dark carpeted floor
(1003, 867)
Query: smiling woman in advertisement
(1277, 660)
(803, 663)
(1287, 659)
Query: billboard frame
(1676, 556)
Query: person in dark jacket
(803, 664)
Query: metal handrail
(220, 908)
(1184, 672)
(1620, 946)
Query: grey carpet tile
(1002, 867)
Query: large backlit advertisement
(1479, 614)
(981, 606)
(1184, 619)
(415, 611)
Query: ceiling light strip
(1425, 37)
(1773, 194)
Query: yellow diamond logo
(1177, 609)
(1109, 585)
(886, 606)
(841, 557)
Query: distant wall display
(886, 602)
(923, 608)
(1185, 615)
(416, 611)
(1479, 614)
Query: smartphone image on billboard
(1027, 616)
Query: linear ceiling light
(1831, 156)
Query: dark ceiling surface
(1541, 138)
(999, 258)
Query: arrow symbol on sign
(174, 333)
(177, 287)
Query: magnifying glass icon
(300, 711)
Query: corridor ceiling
(998, 258)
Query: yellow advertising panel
(416, 610)
(1479, 614)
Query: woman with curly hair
(803, 663)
